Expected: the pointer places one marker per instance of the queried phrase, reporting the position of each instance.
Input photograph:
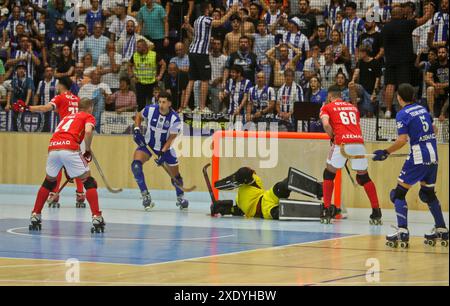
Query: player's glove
(160, 159)
(138, 137)
(19, 106)
(380, 155)
(87, 156)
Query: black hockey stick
(349, 174)
(208, 184)
(174, 179)
(110, 189)
(50, 199)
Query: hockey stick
(174, 180)
(50, 200)
(208, 182)
(359, 156)
(97, 165)
(349, 174)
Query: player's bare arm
(217, 23)
(88, 135)
(327, 126)
(401, 141)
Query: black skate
(182, 203)
(80, 200)
(437, 234)
(98, 224)
(326, 215)
(375, 217)
(400, 237)
(147, 201)
(35, 221)
(53, 199)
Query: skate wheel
(102, 230)
(58, 205)
(430, 242)
(371, 222)
(39, 227)
(92, 230)
(391, 244)
(404, 245)
(444, 243)
(30, 227)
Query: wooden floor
(342, 261)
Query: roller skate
(80, 200)
(326, 215)
(437, 234)
(375, 217)
(35, 221)
(147, 201)
(182, 203)
(400, 237)
(98, 224)
(53, 199)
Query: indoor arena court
(168, 246)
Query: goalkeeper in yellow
(252, 199)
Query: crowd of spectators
(265, 55)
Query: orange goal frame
(262, 134)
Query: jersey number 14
(65, 126)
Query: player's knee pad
(398, 193)
(328, 175)
(275, 213)
(427, 194)
(178, 179)
(90, 183)
(363, 179)
(281, 189)
(49, 185)
(136, 168)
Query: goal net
(270, 154)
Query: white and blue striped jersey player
(421, 165)
(159, 128)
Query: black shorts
(397, 74)
(199, 67)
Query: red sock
(79, 184)
(40, 200)
(58, 181)
(328, 186)
(92, 198)
(371, 192)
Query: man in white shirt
(218, 61)
(119, 22)
(98, 92)
(109, 66)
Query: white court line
(253, 250)
(12, 231)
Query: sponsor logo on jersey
(60, 143)
(399, 124)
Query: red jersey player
(64, 151)
(341, 121)
(66, 103)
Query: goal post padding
(271, 154)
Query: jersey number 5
(425, 124)
(346, 118)
(65, 126)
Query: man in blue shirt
(162, 128)
(154, 26)
(415, 123)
